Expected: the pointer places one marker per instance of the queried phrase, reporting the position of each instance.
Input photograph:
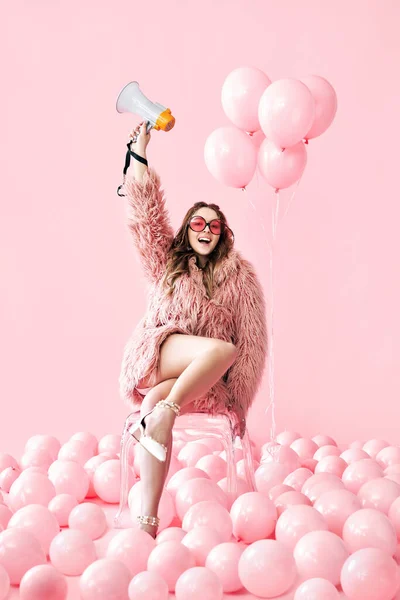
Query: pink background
(71, 288)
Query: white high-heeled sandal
(156, 449)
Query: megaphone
(131, 99)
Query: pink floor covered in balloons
(323, 523)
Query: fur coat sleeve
(246, 373)
(149, 222)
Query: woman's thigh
(179, 350)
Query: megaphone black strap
(128, 162)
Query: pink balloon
(169, 560)
(283, 455)
(324, 451)
(388, 456)
(360, 472)
(289, 499)
(356, 444)
(166, 508)
(179, 478)
(230, 157)
(374, 446)
(253, 516)
(286, 112)
(88, 439)
(71, 551)
(43, 582)
(257, 139)
(323, 440)
(394, 516)
(223, 560)
(90, 467)
(105, 579)
(320, 554)
(286, 438)
(198, 583)
(392, 470)
(68, 477)
(331, 464)
(353, 454)
(309, 463)
(241, 467)
(39, 521)
(60, 506)
(107, 480)
(242, 488)
(317, 479)
(110, 442)
(379, 493)
(268, 475)
(197, 490)
(170, 533)
(75, 450)
(297, 479)
(36, 458)
(325, 104)
(132, 547)
(369, 574)
(369, 528)
(30, 488)
(214, 466)
(336, 506)
(278, 490)
(241, 93)
(191, 453)
(267, 556)
(4, 583)
(175, 466)
(44, 442)
(200, 541)
(296, 521)
(19, 551)
(148, 586)
(214, 444)
(281, 168)
(6, 460)
(304, 447)
(90, 518)
(5, 515)
(212, 514)
(7, 478)
(316, 589)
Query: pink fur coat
(236, 313)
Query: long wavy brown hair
(180, 251)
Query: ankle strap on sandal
(147, 520)
(169, 404)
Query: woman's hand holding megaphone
(140, 139)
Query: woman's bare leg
(189, 367)
(153, 472)
(197, 363)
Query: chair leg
(229, 448)
(248, 462)
(126, 444)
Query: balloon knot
(306, 141)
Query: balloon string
(271, 247)
(271, 362)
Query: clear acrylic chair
(192, 426)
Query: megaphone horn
(131, 99)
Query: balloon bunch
(272, 123)
(284, 115)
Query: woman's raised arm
(148, 217)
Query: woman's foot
(159, 424)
